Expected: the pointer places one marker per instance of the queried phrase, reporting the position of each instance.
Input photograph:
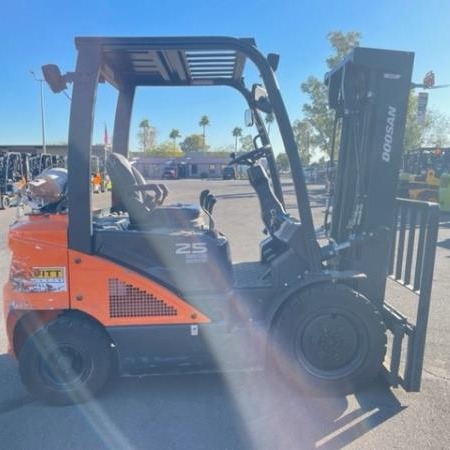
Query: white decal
(389, 133)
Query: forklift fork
(413, 248)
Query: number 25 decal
(191, 248)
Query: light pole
(41, 81)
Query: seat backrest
(124, 179)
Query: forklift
(424, 176)
(42, 161)
(150, 288)
(14, 174)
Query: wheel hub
(329, 342)
(64, 367)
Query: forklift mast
(369, 92)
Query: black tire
(5, 202)
(329, 340)
(66, 361)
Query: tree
(434, 131)
(414, 129)
(436, 134)
(341, 44)
(146, 135)
(166, 149)
(204, 122)
(174, 135)
(269, 120)
(302, 133)
(192, 143)
(316, 112)
(237, 133)
(246, 143)
(282, 161)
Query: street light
(41, 81)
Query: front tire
(329, 340)
(66, 361)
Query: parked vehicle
(169, 173)
(229, 173)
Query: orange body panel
(95, 282)
(45, 276)
(37, 243)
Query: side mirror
(273, 59)
(53, 77)
(248, 118)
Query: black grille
(126, 300)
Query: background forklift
(150, 288)
(43, 161)
(14, 174)
(425, 175)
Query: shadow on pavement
(239, 411)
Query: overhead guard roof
(171, 61)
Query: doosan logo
(388, 136)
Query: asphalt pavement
(242, 410)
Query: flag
(105, 136)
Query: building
(192, 165)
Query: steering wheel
(249, 158)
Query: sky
(37, 32)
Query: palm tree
(237, 133)
(269, 119)
(174, 135)
(204, 122)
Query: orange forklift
(145, 287)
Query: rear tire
(66, 361)
(329, 340)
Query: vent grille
(126, 300)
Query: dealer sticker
(48, 279)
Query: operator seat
(126, 181)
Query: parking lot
(244, 410)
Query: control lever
(203, 195)
(209, 203)
(333, 249)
